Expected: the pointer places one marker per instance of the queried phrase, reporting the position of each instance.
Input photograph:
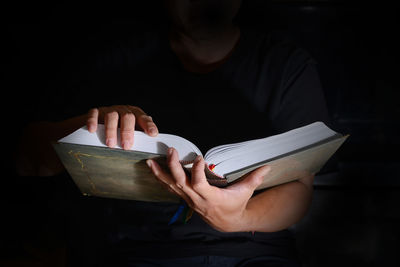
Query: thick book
(116, 173)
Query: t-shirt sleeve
(300, 98)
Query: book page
(142, 142)
(228, 158)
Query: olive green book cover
(113, 173)
(116, 173)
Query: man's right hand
(123, 116)
(36, 156)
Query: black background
(355, 216)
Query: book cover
(115, 173)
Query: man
(212, 82)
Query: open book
(116, 173)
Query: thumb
(253, 179)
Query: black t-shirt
(267, 86)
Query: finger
(92, 120)
(179, 176)
(127, 129)
(144, 121)
(252, 180)
(167, 181)
(176, 167)
(199, 180)
(111, 126)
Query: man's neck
(206, 53)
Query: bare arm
(233, 209)
(36, 156)
(279, 207)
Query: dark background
(354, 219)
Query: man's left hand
(222, 208)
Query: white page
(249, 153)
(142, 142)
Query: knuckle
(92, 111)
(128, 116)
(126, 132)
(112, 115)
(91, 117)
(136, 108)
(145, 117)
(150, 124)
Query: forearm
(279, 207)
(36, 156)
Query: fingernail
(126, 145)
(91, 128)
(148, 162)
(110, 142)
(170, 150)
(152, 131)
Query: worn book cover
(116, 173)
(113, 173)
